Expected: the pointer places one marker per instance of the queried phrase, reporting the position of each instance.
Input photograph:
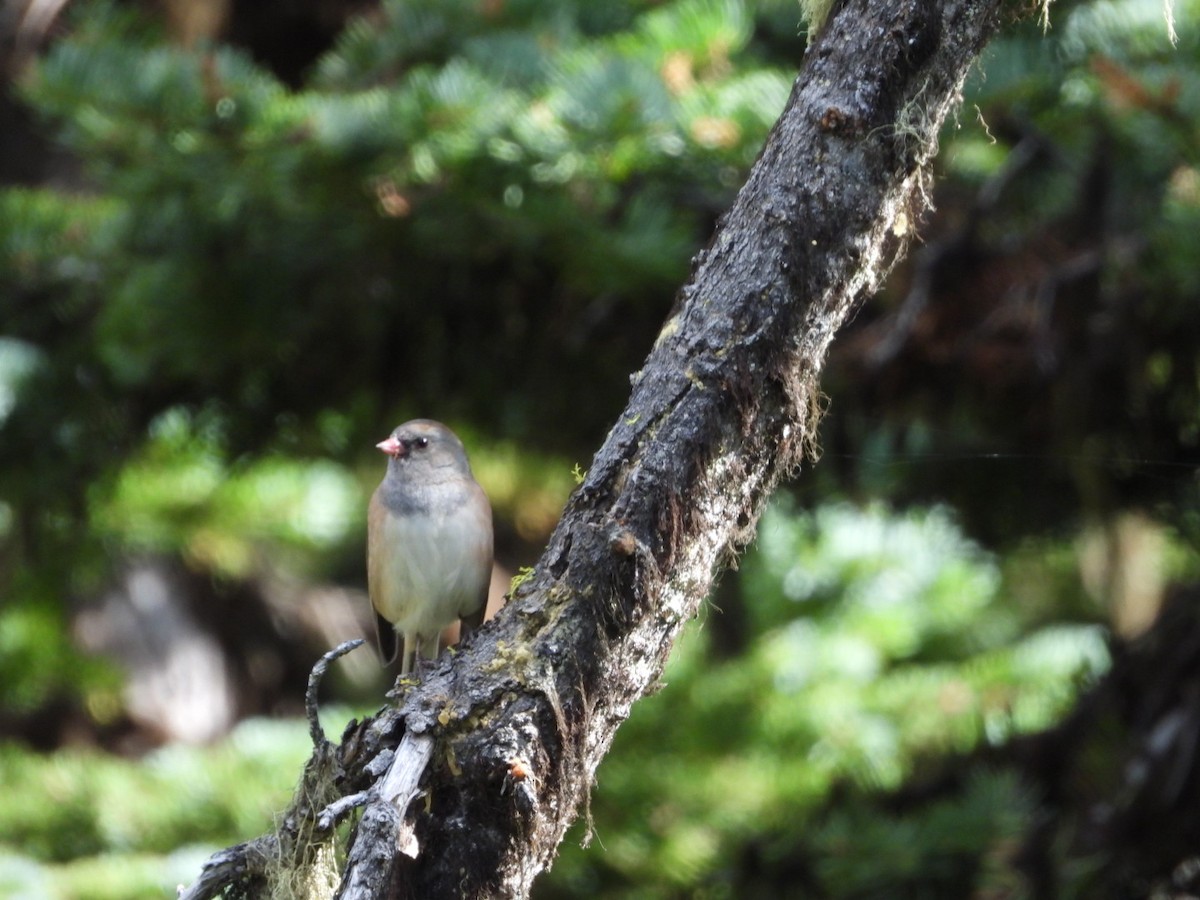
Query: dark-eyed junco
(429, 541)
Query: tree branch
(725, 405)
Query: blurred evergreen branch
(879, 643)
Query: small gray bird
(429, 541)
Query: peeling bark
(726, 404)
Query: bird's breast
(428, 568)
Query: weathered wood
(725, 405)
(243, 865)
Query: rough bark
(726, 404)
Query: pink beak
(391, 447)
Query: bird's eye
(421, 443)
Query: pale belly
(437, 572)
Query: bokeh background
(240, 241)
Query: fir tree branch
(726, 404)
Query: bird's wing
(385, 634)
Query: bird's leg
(411, 643)
(426, 652)
(431, 646)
